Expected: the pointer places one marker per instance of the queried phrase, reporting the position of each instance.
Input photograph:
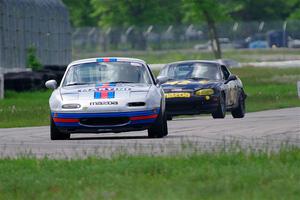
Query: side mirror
(161, 79)
(51, 84)
(231, 78)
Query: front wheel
(160, 127)
(169, 117)
(221, 109)
(55, 134)
(239, 112)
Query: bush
(32, 61)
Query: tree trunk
(213, 35)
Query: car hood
(90, 92)
(190, 85)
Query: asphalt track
(266, 130)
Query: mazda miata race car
(196, 87)
(101, 95)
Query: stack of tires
(58, 71)
(32, 80)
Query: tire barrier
(33, 80)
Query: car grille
(180, 107)
(104, 121)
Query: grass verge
(165, 56)
(204, 176)
(267, 88)
(24, 109)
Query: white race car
(100, 95)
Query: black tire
(55, 134)
(239, 112)
(169, 117)
(221, 110)
(160, 128)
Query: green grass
(203, 176)
(24, 109)
(267, 88)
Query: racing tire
(55, 134)
(220, 113)
(239, 112)
(160, 127)
(169, 117)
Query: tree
(136, 14)
(81, 13)
(295, 9)
(210, 11)
(264, 10)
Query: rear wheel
(221, 109)
(239, 112)
(55, 134)
(160, 128)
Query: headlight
(71, 106)
(204, 92)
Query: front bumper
(192, 105)
(104, 122)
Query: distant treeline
(144, 12)
(138, 13)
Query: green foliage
(296, 14)
(32, 60)
(264, 10)
(81, 12)
(136, 12)
(244, 175)
(194, 10)
(162, 12)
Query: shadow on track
(111, 138)
(124, 138)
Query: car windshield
(106, 72)
(194, 70)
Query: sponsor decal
(178, 82)
(103, 103)
(203, 81)
(178, 95)
(105, 89)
